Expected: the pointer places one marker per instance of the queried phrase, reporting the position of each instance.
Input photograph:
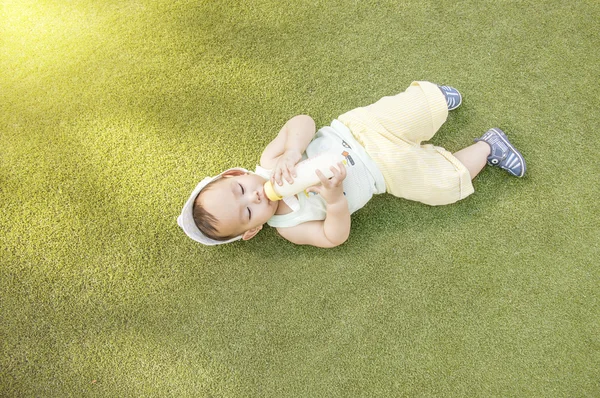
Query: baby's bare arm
(282, 154)
(335, 229)
(331, 232)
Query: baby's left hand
(331, 189)
(286, 167)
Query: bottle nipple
(270, 192)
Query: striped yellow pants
(391, 131)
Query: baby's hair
(205, 221)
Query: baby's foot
(503, 154)
(453, 97)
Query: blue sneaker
(503, 154)
(453, 97)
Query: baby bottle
(306, 175)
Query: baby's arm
(335, 229)
(282, 154)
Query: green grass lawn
(111, 112)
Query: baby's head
(226, 208)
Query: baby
(381, 144)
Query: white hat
(186, 218)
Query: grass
(110, 112)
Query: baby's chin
(273, 205)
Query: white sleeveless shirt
(363, 178)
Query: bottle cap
(270, 192)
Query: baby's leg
(474, 157)
(413, 116)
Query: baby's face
(239, 203)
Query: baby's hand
(286, 167)
(332, 189)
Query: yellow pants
(391, 131)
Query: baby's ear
(251, 233)
(233, 173)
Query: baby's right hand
(286, 167)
